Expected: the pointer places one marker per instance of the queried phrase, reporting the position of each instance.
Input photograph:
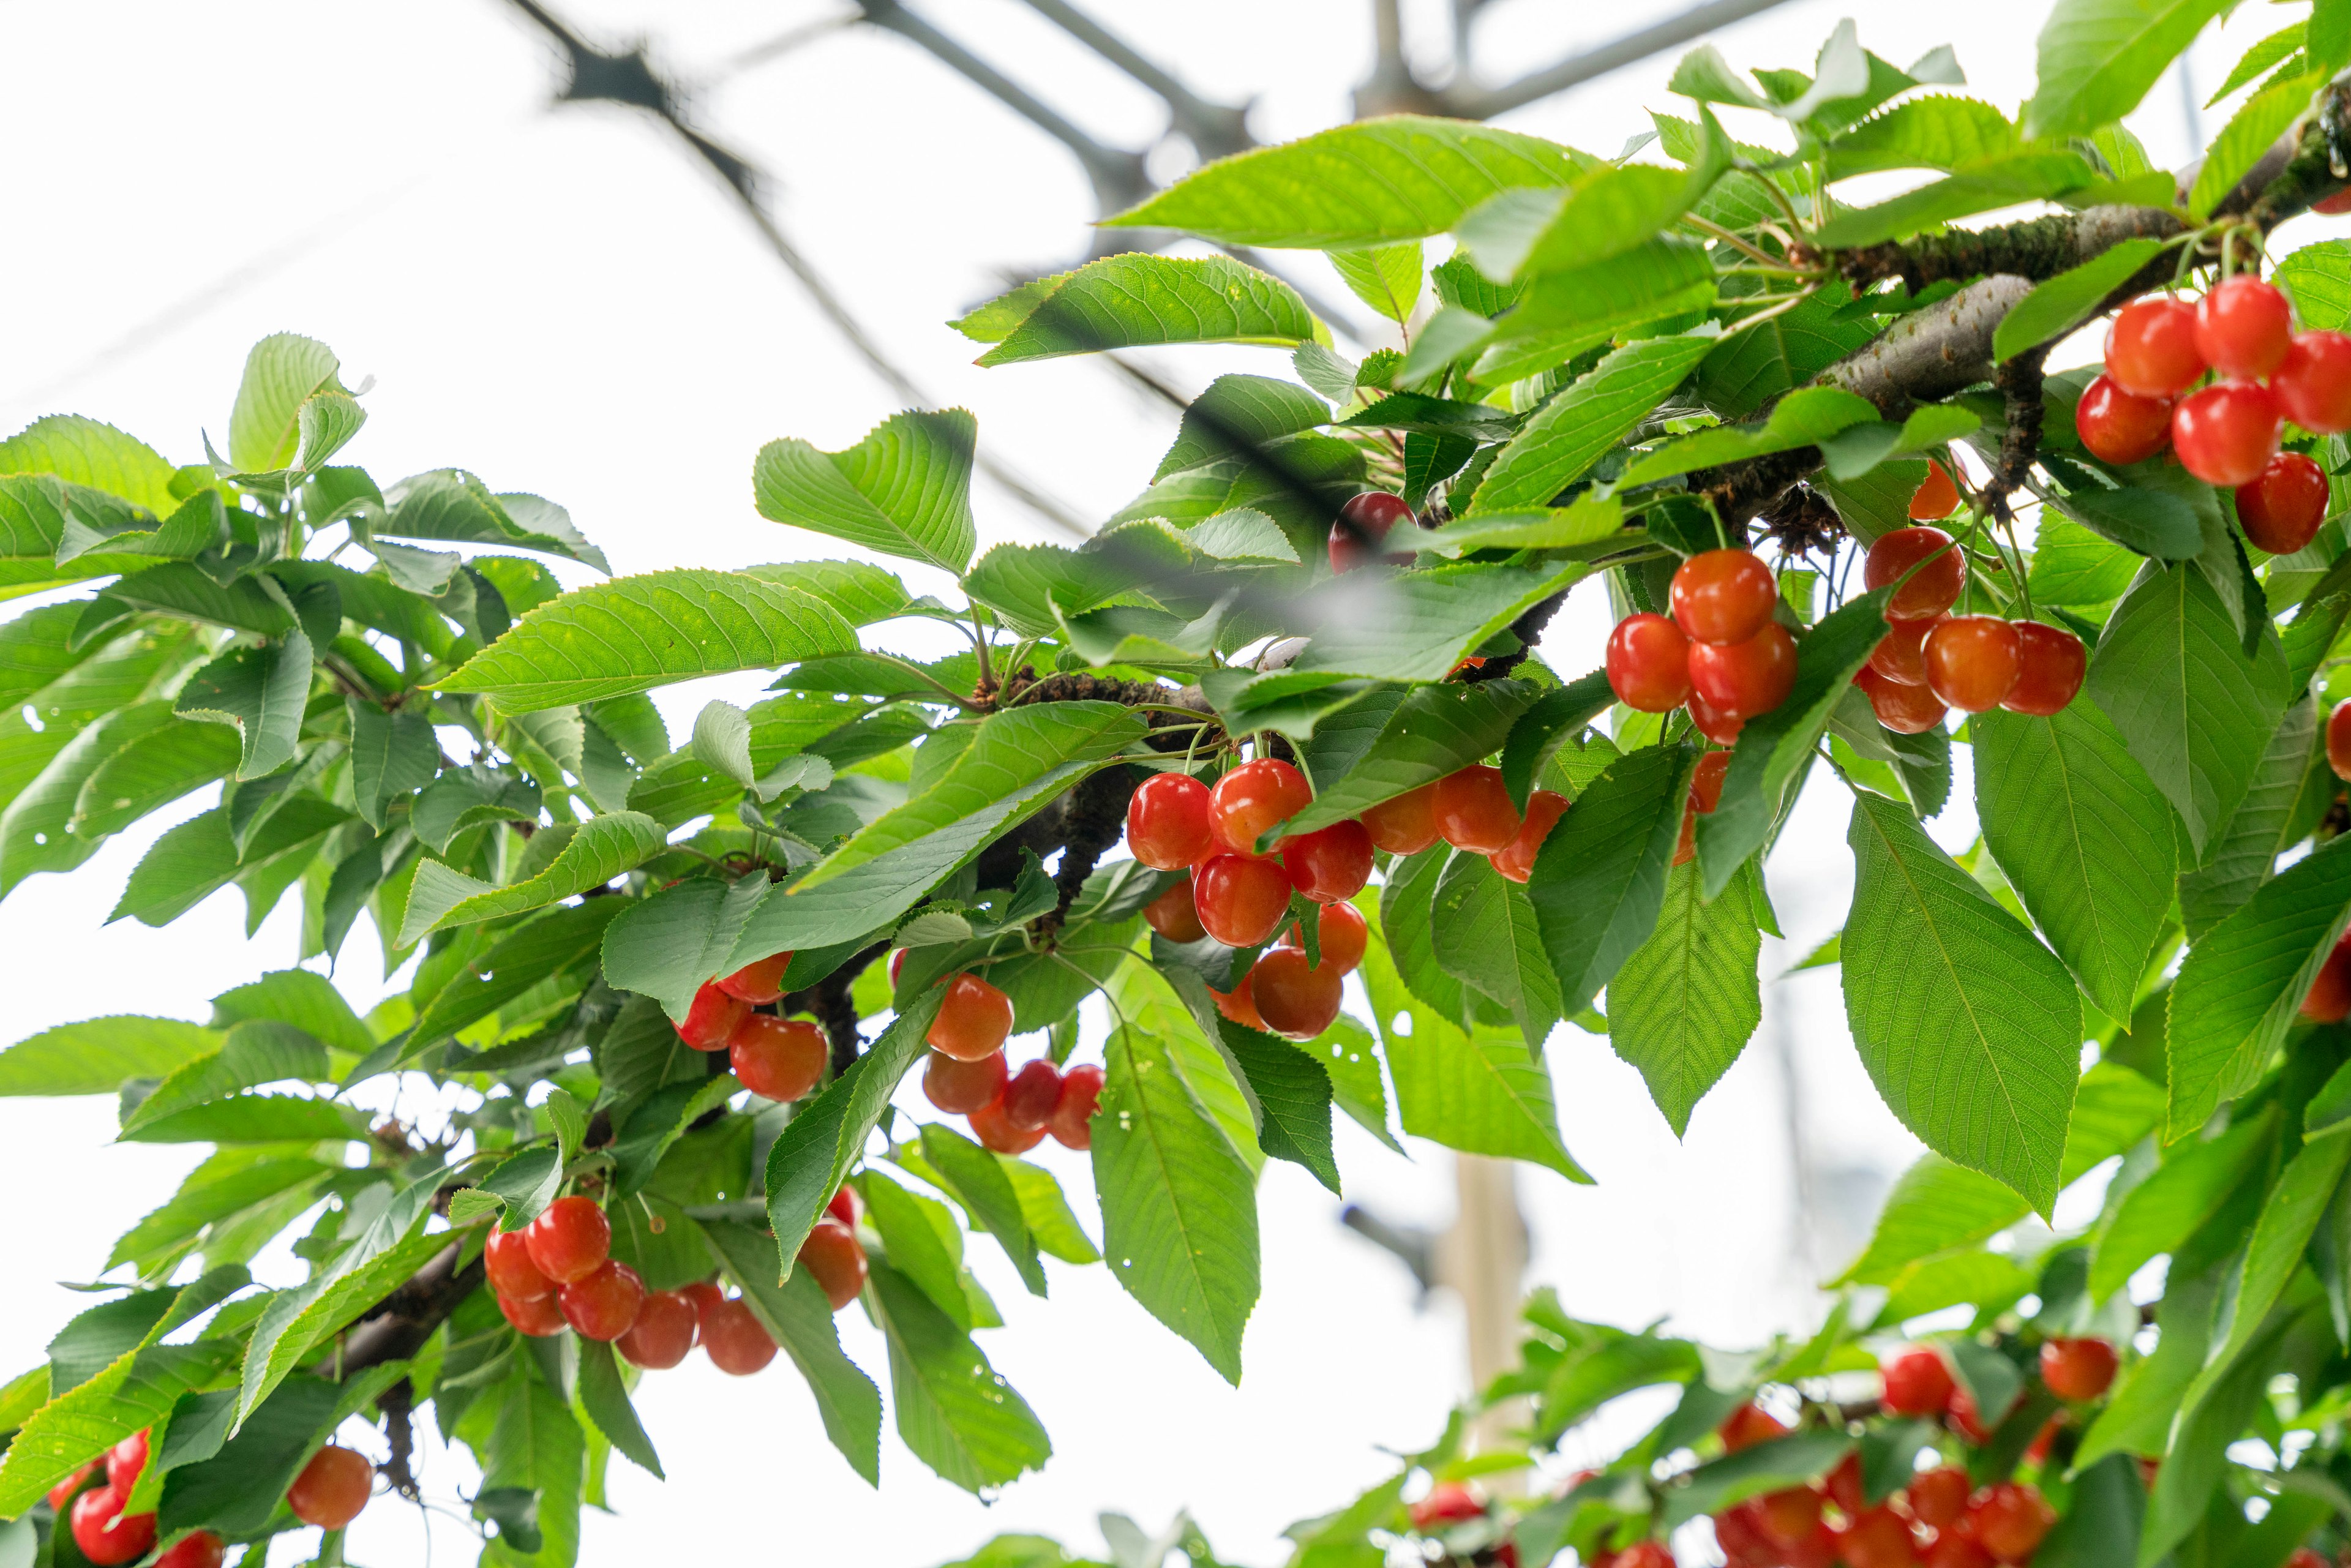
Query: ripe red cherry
(1842, 1486)
(1073, 1113)
(1296, 999)
(1341, 933)
(1966, 1420)
(107, 1535)
(1937, 496)
(2282, 506)
(201, 1550)
(2338, 739)
(2301, 1557)
(125, 1460)
(778, 1059)
(757, 983)
(2226, 434)
(62, 1493)
(1362, 526)
(2333, 205)
(663, 1334)
(1447, 1503)
(973, 1020)
(541, 1317)
(603, 1304)
(2151, 350)
(1644, 1554)
(332, 1487)
(1704, 795)
(2119, 427)
(1747, 678)
(1648, 664)
(1516, 860)
(1722, 728)
(570, 1239)
(833, 1254)
(711, 1017)
(1972, 661)
(2077, 1369)
(1329, 864)
(1239, 1004)
(963, 1087)
(1790, 1517)
(1240, 900)
(2243, 327)
(1030, 1097)
(734, 1340)
(2010, 1521)
(1404, 824)
(1899, 657)
(705, 1295)
(989, 1125)
(1254, 799)
(1905, 710)
(1738, 1531)
(1954, 1549)
(843, 1205)
(1174, 916)
(2313, 384)
(1167, 821)
(2051, 661)
(1474, 811)
(1935, 587)
(1724, 595)
(506, 1259)
(1939, 1496)
(1747, 1425)
(1918, 1382)
(1877, 1538)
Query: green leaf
(666, 946)
(471, 796)
(452, 506)
(593, 854)
(2003, 182)
(905, 490)
(556, 947)
(2251, 132)
(1375, 181)
(2072, 565)
(1768, 1467)
(1387, 278)
(2290, 793)
(1558, 717)
(954, 1410)
(2290, 1214)
(255, 1052)
(1563, 313)
(605, 1398)
(1937, 132)
(1800, 418)
(1238, 417)
(1292, 1092)
(984, 1189)
(85, 452)
(2099, 57)
(37, 830)
(1179, 1204)
(98, 1057)
(798, 1317)
(1137, 299)
(634, 633)
(2238, 988)
(198, 858)
(2171, 673)
(393, 755)
(1486, 932)
(2150, 522)
(2086, 839)
(2064, 302)
(1418, 625)
(254, 1119)
(229, 1183)
(281, 373)
(1599, 882)
(923, 1243)
(1968, 1026)
(1685, 1002)
(134, 1393)
(243, 1483)
(260, 691)
(1586, 420)
(1757, 363)
(1434, 730)
(1520, 233)
(2187, 1189)
(2318, 277)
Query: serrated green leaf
(1685, 1001)
(905, 490)
(452, 506)
(954, 1410)
(1387, 278)
(1293, 1096)
(1136, 299)
(1571, 431)
(593, 854)
(1934, 132)
(393, 754)
(2318, 279)
(2160, 1213)
(2064, 302)
(1486, 934)
(1666, 279)
(2290, 793)
(984, 1189)
(1599, 881)
(282, 372)
(1800, 418)
(2251, 132)
(2149, 522)
(1977, 188)
(556, 946)
(1433, 731)
(259, 690)
(2099, 57)
(82, 451)
(605, 1398)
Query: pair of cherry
(775, 1057)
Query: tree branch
(397, 1327)
(1214, 130)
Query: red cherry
(1648, 664)
(107, 1535)
(1790, 1517)
(1341, 933)
(1174, 916)
(757, 983)
(1842, 1486)
(1644, 1554)
(1918, 1382)
(1724, 595)
(1905, 710)
(1972, 661)
(833, 1254)
(2300, 1557)
(1239, 1004)
(2340, 201)
(1877, 1538)
(603, 1304)
(1073, 1113)
(2338, 739)
(201, 1550)
(1516, 860)
(711, 1018)
(1240, 900)
(1167, 821)
(540, 1317)
(2282, 506)
(1363, 524)
(1704, 795)
(1939, 1496)
(1296, 999)
(1474, 811)
(2010, 1521)
(2226, 434)
(1747, 1425)
(332, 1487)
(1329, 864)
(705, 1295)
(663, 1331)
(2077, 1369)
(62, 1493)
(1032, 1095)
(2036, 1453)
(1447, 1503)
(973, 1021)
(989, 1125)
(963, 1087)
(2151, 350)
(506, 1259)
(570, 1238)
(734, 1340)
(777, 1059)
(1738, 1531)
(1254, 799)
(2118, 427)
(1899, 657)
(1933, 589)
(2050, 664)
(1937, 496)
(843, 1205)
(125, 1460)
(2313, 384)
(1722, 728)
(1403, 824)
(1965, 1418)
(2243, 327)
(1747, 678)
(1954, 1549)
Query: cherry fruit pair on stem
(777, 1059)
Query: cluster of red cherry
(1009, 1112)
(330, 1492)
(1719, 652)
(2227, 432)
(778, 1058)
(1453, 1502)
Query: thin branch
(1214, 130)
(780, 45)
(1467, 101)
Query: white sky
(562, 302)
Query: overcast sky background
(562, 301)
